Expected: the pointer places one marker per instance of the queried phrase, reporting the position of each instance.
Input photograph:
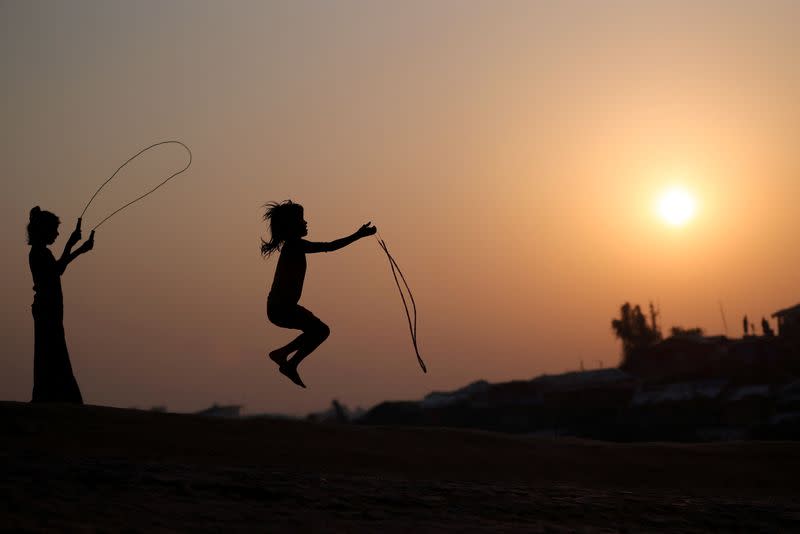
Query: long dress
(53, 380)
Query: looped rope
(144, 195)
(412, 328)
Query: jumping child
(287, 229)
(53, 380)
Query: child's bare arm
(74, 237)
(69, 254)
(310, 247)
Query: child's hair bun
(36, 210)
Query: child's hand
(367, 230)
(75, 236)
(88, 244)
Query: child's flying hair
(282, 217)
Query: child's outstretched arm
(310, 247)
(68, 255)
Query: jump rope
(142, 151)
(412, 324)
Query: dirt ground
(90, 469)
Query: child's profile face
(52, 234)
(301, 226)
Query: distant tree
(679, 331)
(653, 315)
(634, 332)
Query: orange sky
(510, 155)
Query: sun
(677, 206)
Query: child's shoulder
(40, 256)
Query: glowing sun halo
(676, 206)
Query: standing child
(53, 380)
(287, 229)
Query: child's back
(287, 286)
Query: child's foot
(278, 356)
(290, 371)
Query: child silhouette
(53, 380)
(287, 229)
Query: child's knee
(323, 331)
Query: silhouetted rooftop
(788, 311)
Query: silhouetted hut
(679, 359)
(789, 322)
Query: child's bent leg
(287, 316)
(314, 333)
(312, 338)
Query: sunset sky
(513, 155)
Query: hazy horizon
(511, 155)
